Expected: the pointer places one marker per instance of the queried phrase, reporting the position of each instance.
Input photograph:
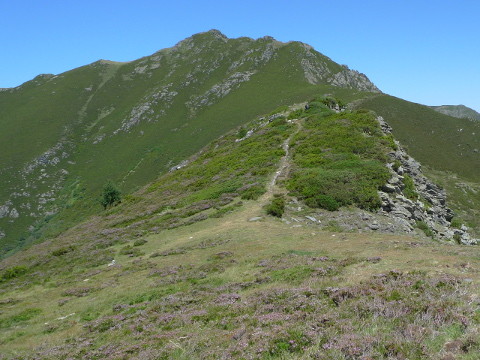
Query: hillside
(192, 266)
(275, 205)
(64, 136)
(458, 111)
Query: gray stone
(374, 226)
(256, 218)
(389, 188)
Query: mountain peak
(458, 111)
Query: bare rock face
(429, 204)
(348, 78)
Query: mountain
(64, 136)
(275, 205)
(458, 111)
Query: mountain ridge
(74, 128)
(459, 111)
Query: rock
(256, 218)
(374, 226)
(389, 188)
(311, 218)
(14, 213)
(401, 212)
(395, 180)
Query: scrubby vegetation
(340, 158)
(110, 195)
(291, 304)
(276, 207)
(409, 187)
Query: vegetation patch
(409, 189)
(425, 228)
(276, 207)
(340, 159)
(19, 318)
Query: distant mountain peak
(458, 111)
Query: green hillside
(192, 267)
(268, 212)
(64, 136)
(436, 140)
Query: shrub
(323, 201)
(14, 272)
(62, 251)
(140, 242)
(242, 132)
(424, 227)
(253, 192)
(110, 195)
(409, 190)
(295, 114)
(130, 251)
(396, 165)
(457, 238)
(276, 207)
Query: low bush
(13, 272)
(409, 190)
(276, 207)
(424, 227)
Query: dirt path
(282, 169)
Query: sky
(425, 51)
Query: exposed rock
(4, 210)
(14, 213)
(430, 208)
(374, 226)
(311, 218)
(256, 218)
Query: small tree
(110, 195)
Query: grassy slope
(233, 287)
(436, 140)
(41, 113)
(448, 148)
(222, 282)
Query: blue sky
(426, 51)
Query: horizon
(416, 52)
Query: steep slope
(191, 266)
(436, 140)
(458, 111)
(63, 136)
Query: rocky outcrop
(414, 199)
(353, 79)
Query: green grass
(442, 142)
